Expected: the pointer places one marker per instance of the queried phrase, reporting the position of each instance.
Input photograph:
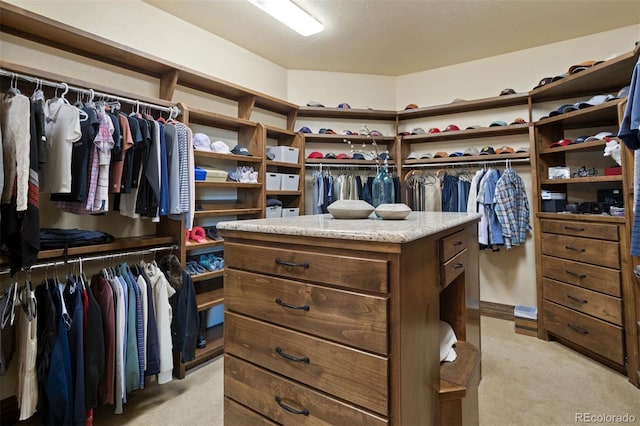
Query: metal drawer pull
(304, 411)
(458, 266)
(578, 329)
(290, 306)
(304, 359)
(581, 250)
(458, 243)
(285, 263)
(576, 299)
(575, 274)
(573, 228)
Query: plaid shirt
(512, 208)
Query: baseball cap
(220, 147)
(507, 92)
(519, 120)
(375, 133)
(314, 104)
(358, 156)
(593, 101)
(580, 139)
(497, 123)
(451, 128)
(561, 142)
(412, 156)
(440, 154)
(599, 137)
(305, 129)
(315, 154)
(343, 156)
(201, 142)
(487, 150)
(348, 132)
(404, 133)
(326, 131)
(411, 106)
(622, 93)
(270, 155)
(418, 131)
(330, 155)
(433, 130)
(426, 156)
(522, 149)
(474, 126)
(471, 151)
(505, 150)
(456, 154)
(385, 156)
(241, 150)
(544, 82)
(560, 110)
(580, 67)
(344, 105)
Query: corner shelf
(489, 132)
(346, 113)
(465, 106)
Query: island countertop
(415, 226)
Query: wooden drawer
(589, 302)
(593, 334)
(593, 277)
(597, 252)
(353, 272)
(450, 270)
(236, 414)
(342, 316)
(288, 402)
(356, 376)
(602, 231)
(452, 245)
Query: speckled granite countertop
(415, 226)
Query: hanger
(8, 314)
(38, 93)
(13, 89)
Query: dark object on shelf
(202, 341)
(613, 171)
(553, 206)
(612, 197)
(585, 172)
(57, 238)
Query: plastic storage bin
(285, 154)
(273, 181)
(290, 212)
(289, 182)
(274, 211)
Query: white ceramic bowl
(393, 211)
(350, 209)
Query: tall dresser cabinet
(586, 289)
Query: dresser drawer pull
(290, 306)
(576, 299)
(285, 263)
(578, 329)
(304, 411)
(573, 228)
(285, 355)
(458, 243)
(575, 274)
(458, 266)
(581, 250)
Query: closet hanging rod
(466, 163)
(79, 259)
(174, 111)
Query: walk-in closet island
(337, 320)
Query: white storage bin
(273, 181)
(274, 211)
(289, 182)
(285, 154)
(290, 212)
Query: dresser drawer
(453, 244)
(450, 270)
(589, 302)
(356, 376)
(593, 277)
(602, 231)
(288, 402)
(597, 252)
(598, 336)
(342, 316)
(236, 414)
(353, 272)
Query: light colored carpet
(526, 381)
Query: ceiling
(396, 37)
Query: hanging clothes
(26, 351)
(512, 208)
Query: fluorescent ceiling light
(291, 15)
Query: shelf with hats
(582, 220)
(465, 106)
(518, 157)
(501, 129)
(617, 73)
(346, 113)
